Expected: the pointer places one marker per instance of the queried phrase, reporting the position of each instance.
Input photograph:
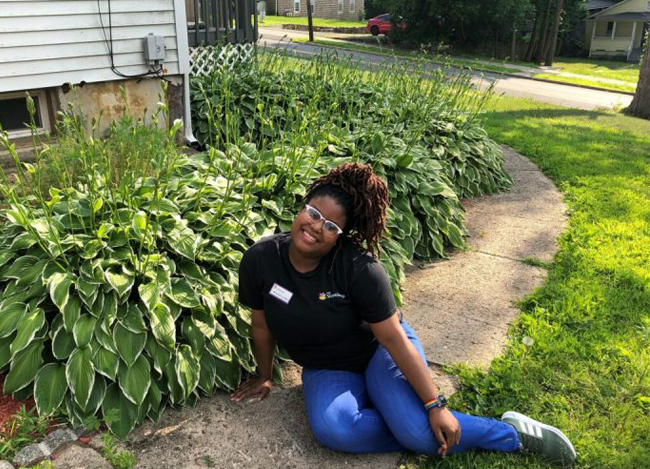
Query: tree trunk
(513, 46)
(310, 23)
(539, 53)
(550, 54)
(533, 39)
(640, 106)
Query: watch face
(442, 400)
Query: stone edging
(54, 445)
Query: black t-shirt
(321, 316)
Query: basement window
(14, 115)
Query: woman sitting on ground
(321, 292)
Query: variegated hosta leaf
(10, 316)
(135, 380)
(71, 312)
(207, 373)
(5, 350)
(24, 366)
(134, 320)
(96, 396)
(21, 267)
(162, 325)
(62, 344)
(126, 412)
(83, 330)
(158, 353)
(106, 363)
(80, 374)
(50, 387)
(183, 295)
(129, 344)
(150, 294)
(187, 369)
(156, 402)
(120, 281)
(29, 325)
(59, 284)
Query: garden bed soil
(10, 406)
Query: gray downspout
(190, 140)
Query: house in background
(618, 30)
(102, 47)
(336, 9)
(98, 46)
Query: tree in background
(500, 24)
(376, 7)
(640, 106)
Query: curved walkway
(460, 307)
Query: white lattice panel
(205, 59)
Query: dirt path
(460, 307)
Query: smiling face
(309, 238)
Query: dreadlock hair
(364, 197)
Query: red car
(379, 25)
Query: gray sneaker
(538, 438)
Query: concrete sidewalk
(460, 307)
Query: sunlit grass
(270, 20)
(588, 369)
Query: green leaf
(96, 396)
(134, 321)
(24, 367)
(139, 224)
(59, 284)
(106, 362)
(150, 295)
(455, 236)
(71, 312)
(135, 380)
(83, 330)
(121, 282)
(187, 369)
(10, 316)
(207, 373)
(183, 241)
(62, 344)
(50, 387)
(128, 344)
(98, 205)
(159, 354)
(22, 266)
(162, 325)
(156, 402)
(183, 295)
(228, 374)
(192, 334)
(30, 324)
(5, 350)
(126, 412)
(80, 374)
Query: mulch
(10, 406)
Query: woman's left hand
(445, 428)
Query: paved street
(553, 93)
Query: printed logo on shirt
(329, 295)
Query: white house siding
(50, 43)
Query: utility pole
(310, 22)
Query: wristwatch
(440, 401)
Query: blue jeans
(379, 411)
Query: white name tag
(280, 293)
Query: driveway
(552, 93)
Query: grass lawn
(600, 68)
(581, 81)
(588, 369)
(410, 54)
(324, 22)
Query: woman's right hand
(256, 386)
